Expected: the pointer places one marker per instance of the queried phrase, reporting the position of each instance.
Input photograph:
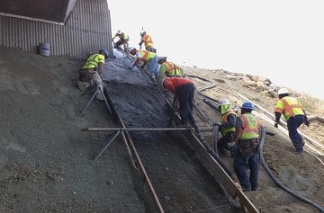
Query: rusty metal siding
(86, 31)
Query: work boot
(221, 151)
(100, 96)
(83, 86)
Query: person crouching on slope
(226, 126)
(295, 116)
(92, 70)
(123, 39)
(169, 69)
(149, 58)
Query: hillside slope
(46, 166)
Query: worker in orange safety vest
(295, 115)
(226, 126)
(148, 42)
(246, 151)
(148, 58)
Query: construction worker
(169, 69)
(246, 143)
(183, 90)
(148, 58)
(123, 39)
(295, 116)
(92, 70)
(226, 126)
(148, 42)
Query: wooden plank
(222, 177)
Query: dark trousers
(223, 141)
(293, 124)
(242, 163)
(120, 42)
(185, 94)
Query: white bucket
(44, 49)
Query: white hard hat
(119, 32)
(223, 102)
(282, 91)
(130, 49)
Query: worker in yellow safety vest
(92, 71)
(295, 115)
(148, 42)
(123, 39)
(169, 69)
(226, 126)
(246, 143)
(148, 58)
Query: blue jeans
(241, 164)
(153, 66)
(293, 124)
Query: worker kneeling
(91, 72)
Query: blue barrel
(44, 49)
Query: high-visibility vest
(148, 40)
(125, 36)
(147, 55)
(225, 130)
(122, 36)
(93, 61)
(289, 107)
(251, 126)
(172, 70)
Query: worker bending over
(169, 69)
(148, 58)
(123, 39)
(226, 126)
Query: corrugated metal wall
(86, 31)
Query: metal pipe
(31, 19)
(108, 144)
(88, 104)
(202, 129)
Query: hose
(263, 162)
(265, 166)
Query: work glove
(200, 136)
(231, 144)
(306, 122)
(276, 124)
(219, 124)
(231, 147)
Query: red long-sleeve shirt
(173, 84)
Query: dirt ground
(46, 162)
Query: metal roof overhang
(51, 11)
